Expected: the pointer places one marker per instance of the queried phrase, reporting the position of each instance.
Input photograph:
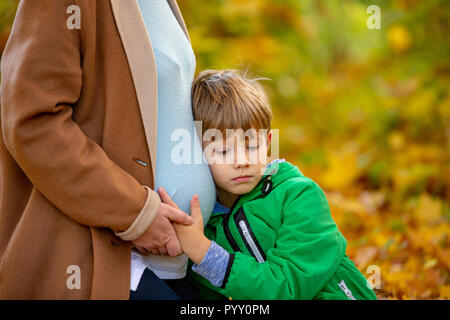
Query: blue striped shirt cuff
(214, 265)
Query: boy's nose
(242, 160)
(241, 165)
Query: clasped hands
(172, 231)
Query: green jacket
(283, 244)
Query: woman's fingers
(178, 216)
(166, 198)
(162, 251)
(173, 248)
(141, 250)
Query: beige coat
(77, 148)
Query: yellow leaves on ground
(342, 171)
(365, 256)
(428, 210)
(399, 38)
(445, 292)
(410, 248)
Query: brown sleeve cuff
(144, 218)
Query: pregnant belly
(182, 182)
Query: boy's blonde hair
(225, 99)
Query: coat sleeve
(42, 79)
(308, 250)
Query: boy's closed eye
(223, 152)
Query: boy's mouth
(242, 178)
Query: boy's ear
(269, 139)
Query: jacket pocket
(248, 236)
(351, 282)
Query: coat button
(140, 162)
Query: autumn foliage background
(365, 113)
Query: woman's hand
(161, 238)
(192, 238)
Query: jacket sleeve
(41, 81)
(308, 250)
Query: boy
(271, 234)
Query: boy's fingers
(166, 198)
(195, 207)
(178, 216)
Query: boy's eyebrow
(251, 136)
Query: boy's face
(237, 163)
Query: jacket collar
(277, 171)
(141, 59)
(219, 208)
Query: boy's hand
(192, 239)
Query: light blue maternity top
(175, 62)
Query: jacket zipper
(346, 290)
(226, 227)
(250, 243)
(247, 235)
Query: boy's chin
(241, 189)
